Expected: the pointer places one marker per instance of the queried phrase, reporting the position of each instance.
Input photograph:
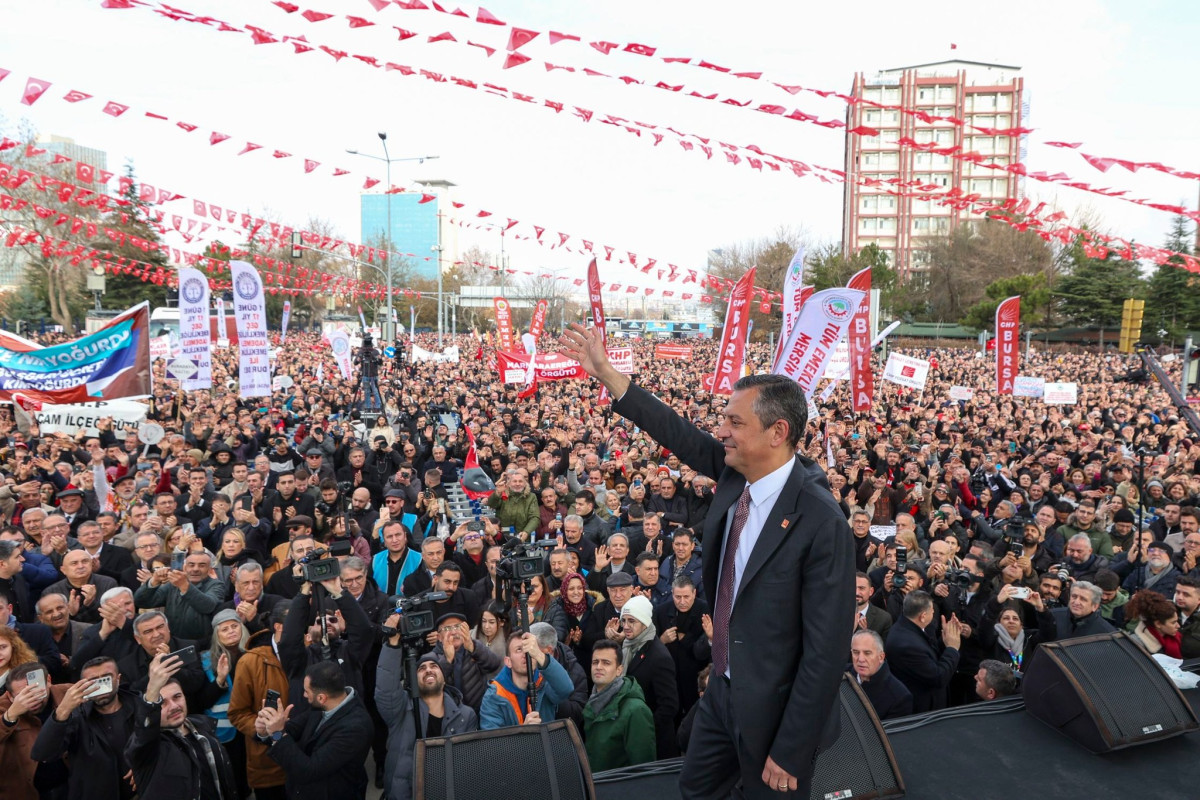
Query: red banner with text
(733, 337)
(1008, 353)
(504, 323)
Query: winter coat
(887, 694)
(502, 706)
(591, 626)
(164, 767)
(470, 674)
(17, 768)
(257, 671)
(653, 668)
(519, 511)
(622, 735)
(98, 769)
(326, 764)
(395, 706)
(190, 614)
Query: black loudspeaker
(1105, 692)
(860, 764)
(546, 761)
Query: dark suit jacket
(114, 561)
(889, 696)
(878, 620)
(788, 633)
(654, 670)
(326, 763)
(41, 641)
(915, 659)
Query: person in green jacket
(617, 724)
(516, 507)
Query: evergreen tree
(140, 245)
(1095, 289)
(1173, 293)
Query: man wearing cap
(648, 661)
(620, 588)
(443, 713)
(70, 504)
(1121, 531)
(1152, 571)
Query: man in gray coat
(189, 597)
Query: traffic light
(1131, 324)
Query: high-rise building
(981, 96)
(418, 226)
(62, 145)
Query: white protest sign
(160, 347)
(126, 416)
(1028, 386)
(622, 359)
(883, 532)
(182, 369)
(839, 362)
(962, 393)
(250, 311)
(906, 371)
(420, 354)
(150, 433)
(1061, 394)
(194, 329)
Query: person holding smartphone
(89, 727)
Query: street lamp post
(437, 252)
(388, 325)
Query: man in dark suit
(35, 634)
(868, 616)
(322, 752)
(915, 657)
(108, 559)
(887, 694)
(779, 549)
(12, 582)
(1081, 615)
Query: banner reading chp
(111, 363)
(250, 310)
(195, 328)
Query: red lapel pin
(783, 524)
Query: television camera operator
(324, 623)
(367, 359)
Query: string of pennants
(775, 162)
(519, 37)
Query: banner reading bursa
(250, 310)
(194, 328)
(733, 336)
(1008, 354)
(112, 363)
(821, 325)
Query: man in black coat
(648, 662)
(1081, 615)
(680, 625)
(12, 582)
(169, 751)
(350, 635)
(780, 626)
(915, 657)
(887, 694)
(150, 631)
(322, 752)
(84, 731)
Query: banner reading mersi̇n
(822, 323)
(194, 333)
(250, 310)
(109, 364)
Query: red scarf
(1171, 645)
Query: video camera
(413, 623)
(961, 579)
(367, 358)
(520, 561)
(322, 564)
(1014, 532)
(900, 576)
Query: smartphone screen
(177, 560)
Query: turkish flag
(487, 17)
(515, 60)
(310, 165)
(358, 22)
(640, 49)
(34, 88)
(216, 137)
(146, 193)
(74, 96)
(84, 173)
(519, 37)
(315, 16)
(115, 109)
(249, 146)
(4, 73)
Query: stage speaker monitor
(860, 764)
(545, 761)
(1105, 692)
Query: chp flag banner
(1008, 334)
(795, 294)
(858, 339)
(538, 325)
(250, 313)
(821, 325)
(339, 342)
(287, 315)
(512, 367)
(127, 415)
(733, 336)
(108, 364)
(672, 352)
(194, 324)
(503, 322)
(906, 371)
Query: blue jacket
(504, 704)
(379, 568)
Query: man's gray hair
(248, 568)
(545, 634)
(148, 616)
(575, 519)
(1081, 538)
(1008, 505)
(114, 593)
(874, 636)
(999, 677)
(609, 541)
(1090, 588)
(59, 595)
(354, 562)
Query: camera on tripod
(520, 561)
(413, 623)
(322, 564)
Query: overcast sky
(1115, 75)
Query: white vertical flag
(339, 341)
(195, 328)
(254, 350)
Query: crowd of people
(230, 611)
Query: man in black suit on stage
(779, 571)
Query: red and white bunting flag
(733, 336)
(1008, 351)
(862, 383)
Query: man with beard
(1187, 600)
(174, 755)
(1080, 561)
(442, 711)
(286, 504)
(344, 636)
(89, 727)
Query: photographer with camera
(442, 710)
(467, 663)
(506, 702)
(324, 623)
(964, 593)
(383, 461)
